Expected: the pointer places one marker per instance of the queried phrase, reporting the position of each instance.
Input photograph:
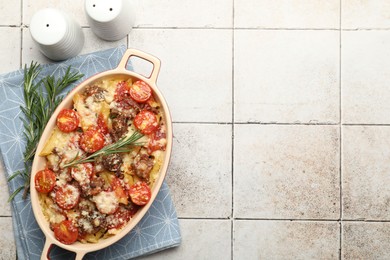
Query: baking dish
(39, 162)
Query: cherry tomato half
(82, 172)
(67, 120)
(157, 141)
(122, 90)
(140, 193)
(119, 218)
(140, 91)
(45, 180)
(92, 140)
(67, 196)
(146, 122)
(102, 124)
(66, 232)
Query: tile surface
(75, 9)
(7, 245)
(366, 172)
(285, 240)
(175, 13)
(365, 14)
(92, 43)
(198, 178)
(263, 94)
(284, 172)
(362, 240)
(287, 14)
(195, 73)
(5, 209)
(364, 62)
(10, 12)
(286, 76)
(202, 239)
(10, 49)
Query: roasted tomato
(121, 91)
(66, 232)
(157, 141)
(140, 91)
(146, 122)
(119, 218)
(140, 193)
(67, 120)
(120, 193)
(92, 140)
(45, 180)
(82, 172)
(67, 196)
(102, 124)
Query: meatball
(96, 92)
(142, 165)
(119, 127)
(112, 162)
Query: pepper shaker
(110, 20)
(58, 36)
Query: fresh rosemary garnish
(121, 146)
(38, 108)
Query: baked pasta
(102, 159)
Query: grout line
(233, 128)
(340, 138)
(21, 36)
(289, 220)
(284, 219)
(253, 123)
(357, 124)
(273, 123)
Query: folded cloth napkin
(159, 228)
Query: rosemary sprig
(37, 111)
(123, 145)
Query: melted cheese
(106, 201)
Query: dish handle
(150, 58)
(47, 247)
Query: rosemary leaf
(121, 146)
(37, 110)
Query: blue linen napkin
(159, 228)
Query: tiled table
(281, 119)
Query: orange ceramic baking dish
(39, 162)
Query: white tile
(258, 239)
(365, 240)
(178, 13)
(91, 44)
(73, 8)
(286, 76)
(5, 209)
(365, 169)
(201, 239)
(199, 175)
(287, 13)
(7, 241)
(196, 71)
(364, 66)
(30, 51)
(10, 12)
(365, 14)
(10, 49)
(286, 172)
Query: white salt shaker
(110, 20)
(58, 36)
